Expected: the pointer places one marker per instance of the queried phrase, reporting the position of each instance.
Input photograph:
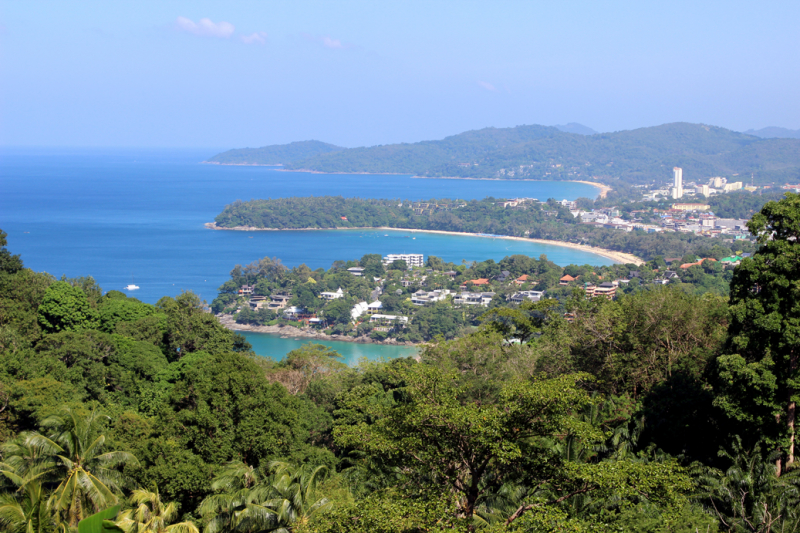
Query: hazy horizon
(207, 75)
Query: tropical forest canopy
(658, 411)
(638, 156)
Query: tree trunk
(791, 413)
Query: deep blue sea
(123, 215)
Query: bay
(136, 216)
(276, 347)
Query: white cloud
(327, 42)
(205, 27)
(258, 37)
(487, 86)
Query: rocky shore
(292, 332)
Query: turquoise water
(138, 215)
(275, 347)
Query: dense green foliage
(550, 221)
(741, 204)
(539, 152)
(652, 412)
(275, 154)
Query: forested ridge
(551, 221)
(635, 156)
(659, 411)
(274, 155)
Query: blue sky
(234, 74)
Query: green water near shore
(275, 347)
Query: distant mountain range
(638, 156)
(774, 132)
(574, 127)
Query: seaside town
(687, 212)
(406, 298)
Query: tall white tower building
(677, 189)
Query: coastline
(604, 189)
(292, 332)
(618, 257)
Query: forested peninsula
(655, 411)
(629, 157)
(550, 221)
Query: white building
(677, 189)
(331, 295)
(412, 260)
(384, 319)
(705, 190)
(425, 297)
(735, 186)
(359, 309)
(519, 297)
(473, 298)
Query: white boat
(131, 287)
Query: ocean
(136, 216)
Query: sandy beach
(617, 257)
(604, 189)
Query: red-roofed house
(479, 281)
(522, 279)
(566, 280)
(687, 265)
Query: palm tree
(235, 507)
(749, 495)
(250, 504)
(25, 510)
(151, 515)
(296, 490)
(88, 478)
(23, 504)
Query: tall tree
(760, 374)
(88, 477)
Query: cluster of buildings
(715, 185)
(681, 217)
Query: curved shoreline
(604, 189)
(617, 257)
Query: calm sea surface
(138, 215)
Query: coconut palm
(250, 503)
(25, 510)
(296, 492)
(23, 504)
(151, 515)
(237, 505)
(87, 476)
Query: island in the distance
(522, 218)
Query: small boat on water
(131, 286)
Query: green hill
(277, 154)
(638, 156)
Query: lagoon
(276, 347)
